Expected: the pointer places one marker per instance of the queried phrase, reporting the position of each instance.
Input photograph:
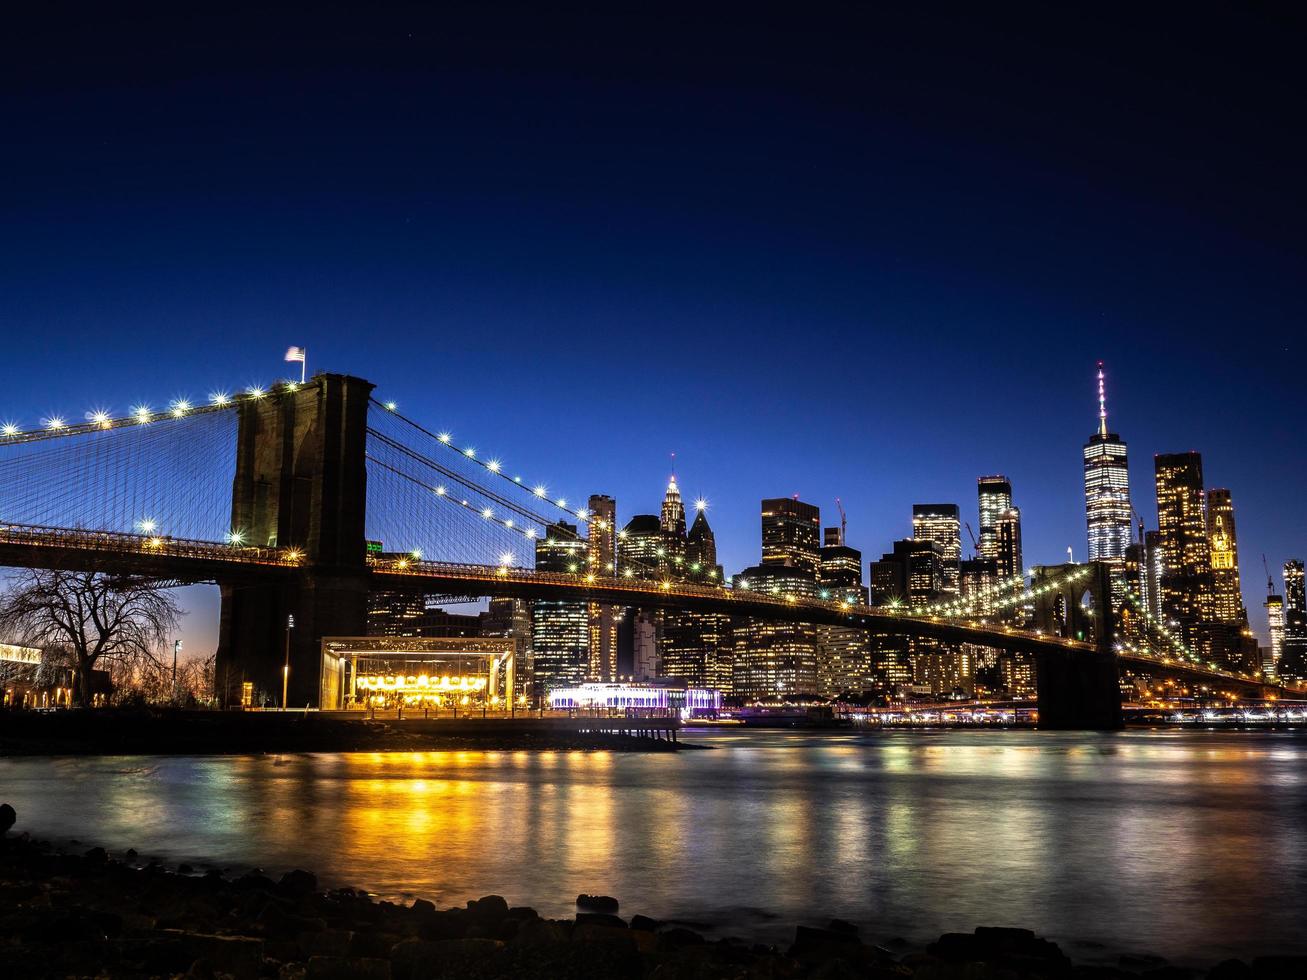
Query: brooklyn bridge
(273, 494)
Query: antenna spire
(1102, 403)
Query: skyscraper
(994, 494)
(1008, 537)
(940, 523)
(1185, 555)
(791, 534)
(1226, 598)
(602, 560)
(701, 549)
(560, 629)
(697, 645)
(1293, 652)
(642, 548)
(1274, 606)
(775, 659)
(673, 512)
(1107, 491)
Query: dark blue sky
(835, 253)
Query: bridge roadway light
(10, 429)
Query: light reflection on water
(1191, 845)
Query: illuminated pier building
(560, 629)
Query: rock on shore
(94, 914)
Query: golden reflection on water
(1156, 841)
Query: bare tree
(98, 619)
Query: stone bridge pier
(1076, 689)
(301, 482)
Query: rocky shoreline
(91, 914)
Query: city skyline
(738, 552)
(735, 254)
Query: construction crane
(1270, 581)
(975, 545)
(844, 521)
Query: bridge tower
(301, 482)
(1076, 689)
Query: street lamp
(285, 670)
(176, 647)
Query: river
(1189, 845)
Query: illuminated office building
(1107, 491)
(1274, 606)
(909, 575)
(978, 585)
(1153, 572)
(840, 571)
(701, 549)
(774, 659)
(1185, 555)
(673, 513)
(791, 534)
(1226, 603)
(1293, 650)
(642, 548)
(602, 561)
(696, 646)
(994, 494)
(560, 629)
(940, 523)
(1009, 544)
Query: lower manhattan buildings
(1176, 588)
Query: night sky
(845, 253)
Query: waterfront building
(1108, 515)
(843, 661)
(775, 659)
(696, 646)
(940, 523)
(994, 495)
(1293, 648)
(602, 561)
(511, 619)
(560, 629)
(791, 532)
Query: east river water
(1189, 845)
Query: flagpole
(303, 361)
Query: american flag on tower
(297, 354)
